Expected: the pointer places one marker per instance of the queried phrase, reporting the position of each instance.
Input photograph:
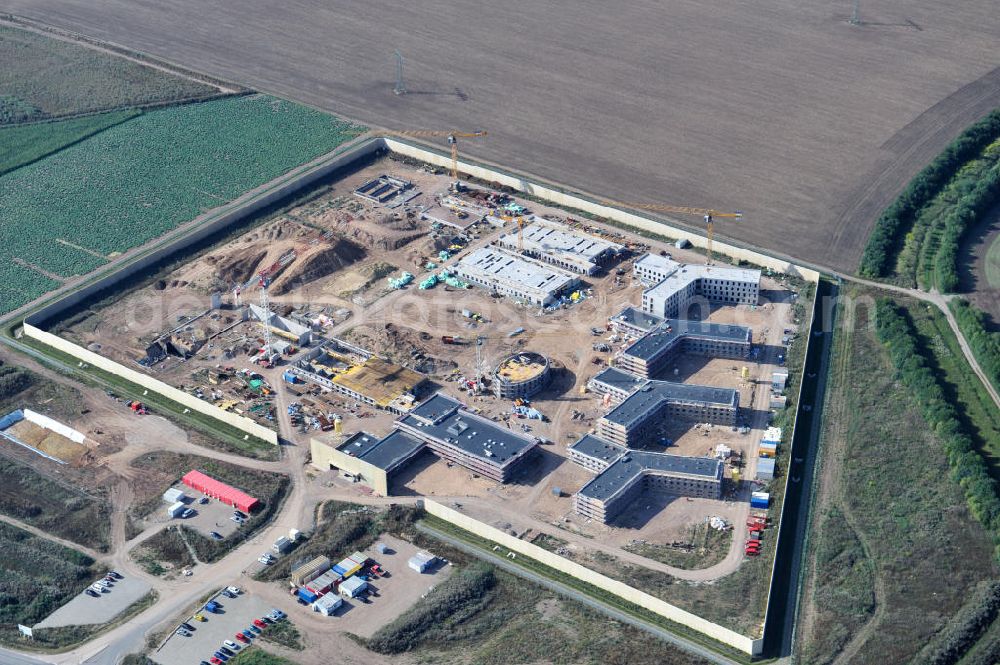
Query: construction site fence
(589, 205)
(155, 385)
(211, 223)
(731, 638)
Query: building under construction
(673, 285)
(650, 354)
(561, 246)
(521, 375)
(624, 474)
(640, 416)
(360, 375)
(441, 424)
(514, 276)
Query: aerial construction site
(435, 338)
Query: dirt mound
(239, 266)
(428, 248)
(386, 231)
(316, 264)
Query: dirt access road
(806, 123)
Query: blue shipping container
(307, 595)
(758, 503)
(340, 571)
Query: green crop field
(43, 77)
(69, 213)
(26, 143)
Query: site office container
(310, 571)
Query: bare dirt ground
(808, 124)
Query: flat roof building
(616, 382)
(515, 276)
(639, 417)
(460, 436)
(650, 354)
(673, 285)
(624, 474)
(562, 246)
(441, 424)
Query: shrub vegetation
(895, 331)
(895, 222)
(459, 597)
(985, 344)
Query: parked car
(240, 514)
(187, 513)
(259, 624)
(276, 613)
(242, 638)
(238, 520)
(203, 500)
(215, 661)
(200, 617)
(251, 631)
(91, 592)
(221, 656)
(234, 589)
(116, 574)
(216, 535)
(182, 632)
(227, 594)
(231, 644)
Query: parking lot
(234, 616)
(208, 517)
(85, 610)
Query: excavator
(708, 214)
(453, 137)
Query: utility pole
(856, 13)
(400, 88)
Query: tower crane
(453, 137)
(708, 214)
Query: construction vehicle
(708, 214)
(452, 136)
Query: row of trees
(895, 330)
(985, 344)
(896, 220)
(465, 588)
(959, 218)
(964, 629)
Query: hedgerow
(896, 220)
(964, 628)
(895, 330)
(959, 218)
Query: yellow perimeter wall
(573, 201)
(640, 598)
(325, 455)
(190, 401)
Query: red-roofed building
(219, 490)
